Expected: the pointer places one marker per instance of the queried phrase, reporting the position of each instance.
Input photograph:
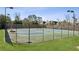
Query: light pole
(5, 25)
(5, 18)
(68, 22)
(5, 14)
(74, 19)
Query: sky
(47, 13)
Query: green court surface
(39, 34)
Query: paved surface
(37, 35)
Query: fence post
(68, 30)
(43, 29)
(16, 32)
(78, 29)
(61, 30)
(53, 31)
(29, 34)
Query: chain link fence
(34, 35)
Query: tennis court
(35, 35)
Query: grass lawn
(53, 45)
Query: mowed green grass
(66, 44)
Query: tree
(32, 18)
(25, 22)
(53, 22)
(4, 20)
(17, 20)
